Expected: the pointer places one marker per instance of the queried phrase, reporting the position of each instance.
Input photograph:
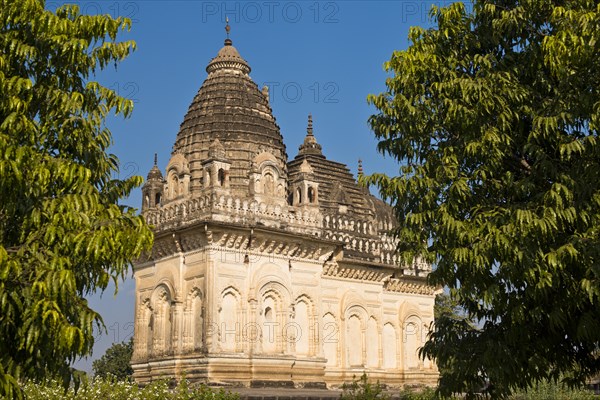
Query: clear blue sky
(320, 57)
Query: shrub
(424, 394)
(363, 390)
(111, 388)
(550, 390)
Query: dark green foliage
(447, 312)
(115, 362)
(446, 306)
(63, 233)
(494, 116)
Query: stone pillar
(252, 329)
(313, 332)
(187, 330)
(341, 348)
(211, 317)
(158, 332)
(140, 339)
(381, 342)
(364, 341)
(197, 327)
(281, 344)
(177, 336)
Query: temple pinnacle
(227, 29)
(360, 167)
(310, 144)
(155, 159)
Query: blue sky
(320, 57)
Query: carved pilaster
(188, 344)
(251, 329)
(177, 346)
(140, 340)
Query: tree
(63, 232)
(446, 306)
(116, 362)
(493, 116)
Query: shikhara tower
(269, 271)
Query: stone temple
(269, 271)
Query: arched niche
(229, 319)
(273, 312)
(411, 340)
(161, 323)
(178, 176)
(390, 346)
(355, 330)
(311, 195)
(304, 319)
(221, 177)
(194, 320)
(269, 178)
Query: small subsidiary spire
(155, 174)
(360, 167)
(310, 145)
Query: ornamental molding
(401, 286)
(334, 270)
(246, 242)
(374, 274)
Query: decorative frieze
(245, 241)
(333, 269)
(401, 286)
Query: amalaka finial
(155, 159)
(309, 128)
(360, 167)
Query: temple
(269, 271)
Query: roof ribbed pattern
(336, 184)
(229, 107)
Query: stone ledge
(271, 384)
